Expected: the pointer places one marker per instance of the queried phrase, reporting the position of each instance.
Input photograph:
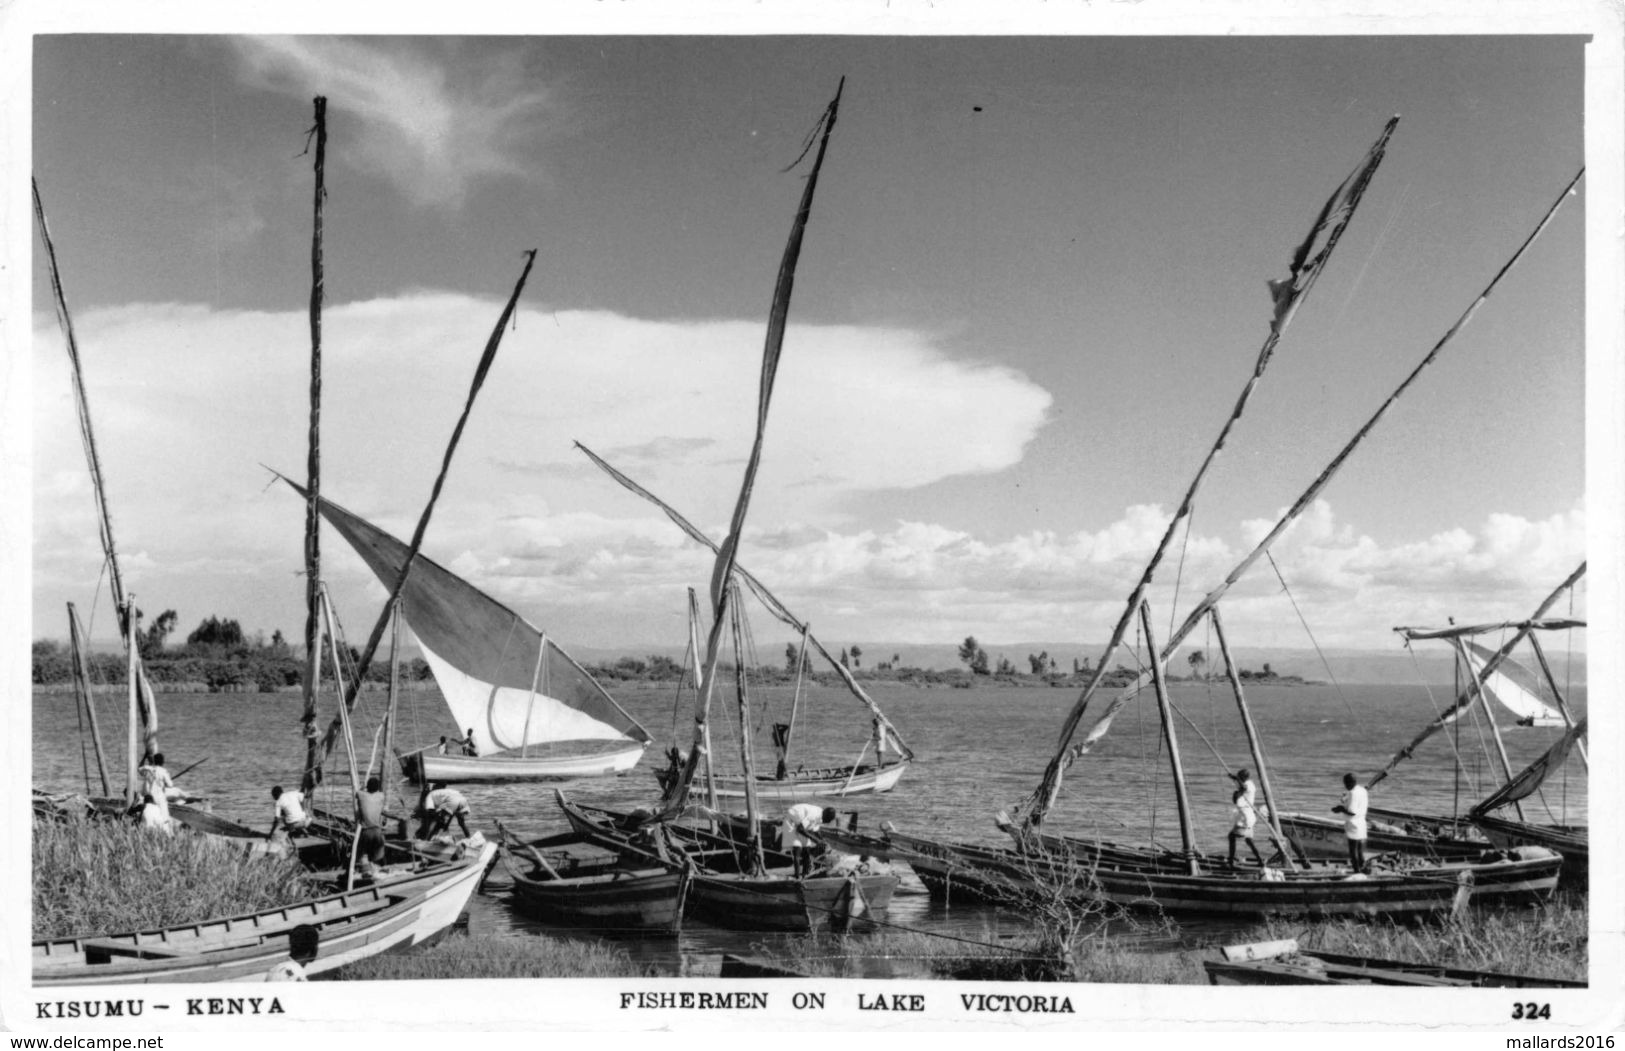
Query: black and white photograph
(840, 517)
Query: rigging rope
(677, 698)
(1179, 570)
(1324, 663)
(1453, 739)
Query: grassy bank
(1549, 942)
(465, 956)
(103, 876)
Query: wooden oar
(516, 846)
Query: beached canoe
(1284, 963)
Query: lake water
(978, 751)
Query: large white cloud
(188, 402)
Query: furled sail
(1534, 775)
(500, 675)
(1515, 687)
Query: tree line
(217, 655)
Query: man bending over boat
(799, 833)
(289, 812)
(1353, 808)
(440, 805)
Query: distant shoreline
(923, 681)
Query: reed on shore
(93, 876)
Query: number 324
(1530, 1012)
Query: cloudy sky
(1033, 285)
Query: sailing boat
(1132, 876)
(1487, 676)
(786, 784)
(534, 712)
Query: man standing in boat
(1244, 815)
(799, 834)
(369, 806)
(1353, 808)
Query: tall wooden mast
(313, 466)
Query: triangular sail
(1534, 775)
(484, 655)
(1514, 687)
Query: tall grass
(1546, 942)
(465, 956)
(103, 877)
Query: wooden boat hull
(1571, 841)
(1389, 832)
(777, 902)
(463, 769)
(969, 872)
(447, 899)
(396, 912)
(639, 901)
(814, 784)
(713, 848)
(1320, 968)
(241, 949)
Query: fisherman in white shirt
(798, 834)
(157, 784)
(290, 812)
(1353, 807)
(1243, 816)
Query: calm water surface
(978, 751)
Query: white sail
(512, 717)
(501, 677)
(1514, 687)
